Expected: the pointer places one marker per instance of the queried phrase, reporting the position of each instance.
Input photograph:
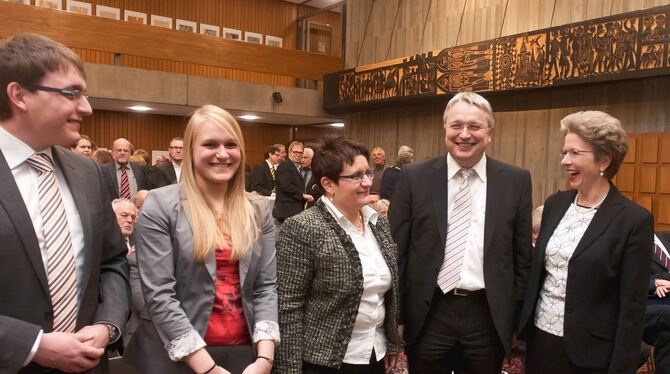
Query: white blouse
(550, 311)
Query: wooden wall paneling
(524, 15)
(482, 20)
(664, 153)
(646, 202)
(631, 156)
(257, 137)
(625, 178)
(622, 6)
(332, 19)
(443, 24)
(121, 37)
(664, 179)
(648, 178)
(317, 133)
(409, 28)
(357, 21)
(568, 11)
(663, 211)
(649, 148)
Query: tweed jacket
(320, 284)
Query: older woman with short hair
(337, 274)
(585, 303)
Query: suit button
(49, 315)
(568, 310)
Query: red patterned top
(227, 325)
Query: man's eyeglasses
(71, 93)
(572, 153)
(177, 148)
(472, 127)
(358, 177)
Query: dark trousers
(459, 336)
(374, 367)
(545, 354)
(657, 333)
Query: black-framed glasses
(70, 93)
(358, 177)
(571, 153)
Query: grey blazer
(179, 292)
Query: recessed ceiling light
(249, 117)
(140, 108)
(337, 124)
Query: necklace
(359, 223)
(588, 208)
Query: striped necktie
(124, 190)
(458, 232)
(60, 255)
(661, 257)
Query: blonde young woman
(206, 258)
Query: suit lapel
(78, 185)
(609, 209)
(12, 202)
(439, 196)
(494, 192)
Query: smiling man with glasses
(61, 251)
(462, 223)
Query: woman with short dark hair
(337, 274)
(586, 294)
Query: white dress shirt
(472, 271)
(368, 332)
(16, 153)
(177, 170)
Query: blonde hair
(238, 216)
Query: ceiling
(185, 110)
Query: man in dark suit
(172, 171)
(264, 174)
(291, 196)
(122, 177)
(63, 272)
(462, 224)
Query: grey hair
(472, 99)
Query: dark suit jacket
(606, 286)
(24, 291)
(658, 271)
(109, 175)
(261, 179)
(290, 187)
(169, 175)
(320, 287)
(388, 182)
(418, 215)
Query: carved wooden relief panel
(624, 46)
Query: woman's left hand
(260, 366)
(390, 362)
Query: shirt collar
(176, 165)
(16, 151)
(118, 166)
(270, 164)
(369, 214)
(453, 167)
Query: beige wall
(526, 132)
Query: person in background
(172, 170)
(144, 154)
(586, 296)
(264, 175)
(102, 157)
(291, 196)
(405, 156)
(378, 168)
(82, 146)
(124, 178)
(206, 258)
(140, 196)
(282, 153)
(337, 274)
(537, 219)
(138, 160)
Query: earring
(602, 174)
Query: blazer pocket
(602, 327)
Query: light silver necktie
(458, 232)
(60, 254)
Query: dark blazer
(320, 283)
(389, 180)
(179, 292)
(261, 179)
(109, 175)
(313, 188)
(606, 286)
(24, 291)
(169, 175)
(657, 270)
(290, 187)
(418, 215)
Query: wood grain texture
(110, 36)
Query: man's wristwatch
(114, 332)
